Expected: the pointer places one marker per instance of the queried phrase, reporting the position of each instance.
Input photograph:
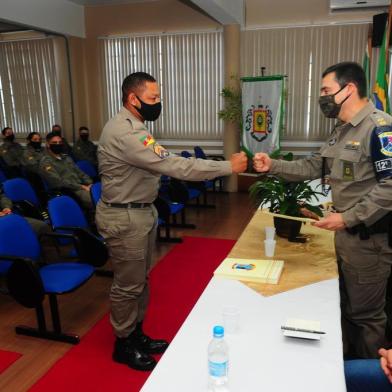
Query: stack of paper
(251, 270)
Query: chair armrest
(16, 258)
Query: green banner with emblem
(263, 108)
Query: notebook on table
(250, 270)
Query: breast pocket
(349, 165)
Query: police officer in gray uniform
(130, 164)
(358, 159)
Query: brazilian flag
(380, 92)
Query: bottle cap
(218, 331)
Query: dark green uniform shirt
(62, 172)
(85, 151)
(12, 153)
(32, 157)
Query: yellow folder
(250, 270)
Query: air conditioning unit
(358, 5)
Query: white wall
(59, 16)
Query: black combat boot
(147, 344)
(125, 351)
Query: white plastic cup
(231, 319)
(269, 233)
(269, 248)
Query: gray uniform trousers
(364, 269)
(130, 234)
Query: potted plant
(286, 198)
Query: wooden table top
(305, 263)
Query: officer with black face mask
(84, 149)
(10, 151)
(131, 162)
(33, 152)
(60, 171)
(358, 159)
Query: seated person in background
(84, 149)
(39, 227)
(369, 375)
(56, 129)
(60, 171)
(33, 152)
(11, 151)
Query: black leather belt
(127, 205)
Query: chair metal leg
(183, 223)
(42, 332)
(168, 237)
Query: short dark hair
(4, 129)
(134, 82)
(349, 72)
(31, 134)
(56, 126)
(50, 136)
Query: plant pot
(287, 228)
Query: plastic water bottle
(218, 360)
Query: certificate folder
(250, 270)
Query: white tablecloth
(261, 358)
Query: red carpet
(176, 283)
(7, 358)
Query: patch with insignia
(352, 145)
(147, 140)
(381, 121)
(47, 168)
(160, 151)
(385, 164)
(386, 143)
(348, 171)
(332, 141)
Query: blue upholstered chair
(67, 217)
(29, 281)
(24, 198)
(95, 192)
(88, 168)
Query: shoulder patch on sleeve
(160, 151)
(381, 151)
(147, 140)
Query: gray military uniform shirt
(131, 162)
(355, 190)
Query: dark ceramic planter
(287, 228)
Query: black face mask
(329, 107)
(10, 138)
(56, 148)
(149, 112)
(35, 145)
(84, 137)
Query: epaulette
(380, 118)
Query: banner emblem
(258, 122)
